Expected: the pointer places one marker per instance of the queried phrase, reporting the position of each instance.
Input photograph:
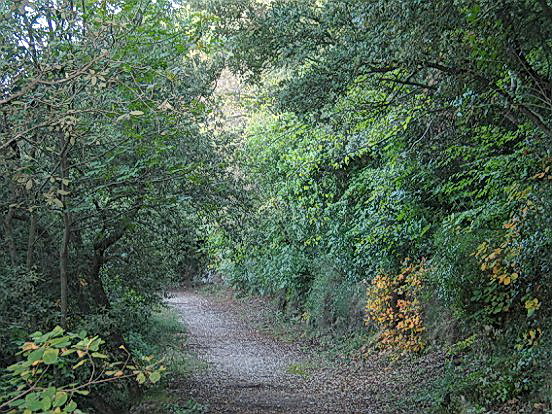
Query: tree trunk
(64, 248)
(31, 241)
(63, 259)
(8, 228)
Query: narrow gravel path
(247, 372)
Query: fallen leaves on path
(249, 371)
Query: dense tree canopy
(376, 166)
(395, 138)
(105, 167)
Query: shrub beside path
(249, 372)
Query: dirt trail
(248, 372)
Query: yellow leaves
(502, 266)
(498, 260)
(504, 279)
(543, 175)
(400, 320)
(65, 351)
(538, 176)
(534, 333)
(97, 79)
(52, 199)
(141, 378)
(530, 338)
(382, 282)
(494, 254)
(532, 305)
(482, 248)
(165, 106)
(29, 346)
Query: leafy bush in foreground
(56, 370)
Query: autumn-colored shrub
(509, 292)
(394, 306)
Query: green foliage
(333, 302)
(101, 156)
(487, 379)
(190, 407)
(55, 370)
(106, 169)
(164, 337)
(329, 210)
(398, 129)
(22, 304)
(378, 131)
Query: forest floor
(247, 370)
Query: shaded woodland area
(379, 169)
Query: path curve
(248, 372)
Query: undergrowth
(165, 338)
